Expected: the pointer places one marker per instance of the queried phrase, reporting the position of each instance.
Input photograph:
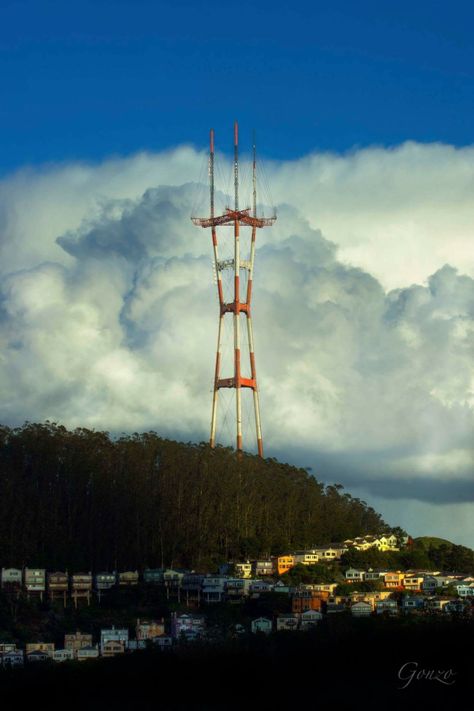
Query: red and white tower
(237, 308)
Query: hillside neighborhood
(290, 605)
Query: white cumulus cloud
(363, 311)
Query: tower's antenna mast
(235, 217)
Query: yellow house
(386, 543)
(413, 582)
(243, 570)
(394, 580)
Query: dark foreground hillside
(344, 664)
(83, 501)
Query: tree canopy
(83, 500)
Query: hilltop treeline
(83, 500)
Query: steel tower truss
(237, 218)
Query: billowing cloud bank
(364, 315)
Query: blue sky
(84, 80)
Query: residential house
(429, 584)
(413, 583)
(328, 553)
(172, 580)
(7, 647)
(104, 581)
(81, 587)
(43, 647)
(456, 607)
(303, 600)
(287, 621)
(353, 575)
(262, 567)
(113, 635)
(85, 653)
(149, 629)
(243, 570)
(58, 585)
(362, 597)
(375, 576)
(283, 563)
(38, 656)
(12, 659)
(371, 597)
(112, 647)
(436, 604)
(63, 655)
(77, 641)
(129, 578)
(261, 624)
(136, 644)
(464, 590)
(187, 625)
(388, 607)
(386, 543)
(164, 642)
(12, 579)
(333, 607)
(280, 587)
(257, 587)
(324, 587)
(394, 580)
(153, 576)
(237, 588)
(213, 588)
(306, 557)
(35, 581)
(361, 609)
(191, 586)
(361, 543)
(413, 604)
(310, 619)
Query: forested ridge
(82, 500)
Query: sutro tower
(237, 218)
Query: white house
(63, 655)
(361, 609)
(375, 575)
(310, 619)
(261, 624)
(85, 653)
(12, 578)
(352, 575)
